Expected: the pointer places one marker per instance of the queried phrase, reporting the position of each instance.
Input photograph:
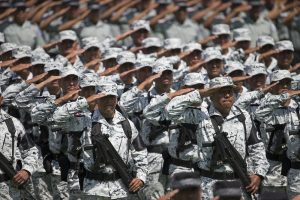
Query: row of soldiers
(160, 103)
(35, 23)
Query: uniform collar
(212, 111)
(3, 115)
(118, 118)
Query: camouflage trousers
(155, 182)
(93, 197)
(8, 192)
(293, 183)
(41, 185)
(274, 177)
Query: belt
(217, 175)
(274, 157)
(3, 178)
(182, 163)
(295, 165)
(102, 176)
(156, 148)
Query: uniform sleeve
(177, 107)
(11, 92)
(5, 77)
(67, 111)
(256, 150)
(139, 157)
(29, 152)
(154, 112)
(132, 100)
(247, 98)
(42, 112)
(25, 98)
(264, 112)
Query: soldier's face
(284, 59)
(283, 86)
(151, 50)
(143, 74)
(139, 36)
(181, 15)
(67, 46)
(20, 15)
(107, 106)
(108, 63)
(255, 12)
(214, 68)
(222, 39)
(165, 80)
(37, 69)
(6, 56)
(266, 48)
(94, 16)
(55, 83)
(243, 45)
(69, 83)
(223, 99)
(88, 91)
(258, 81)
(237, 73)
(91, 54)
(193, 57)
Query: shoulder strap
(12, 129)
(125, 124)
(241, 117)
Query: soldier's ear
(1, 100)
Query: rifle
(110, 155)
(225, 152)
(10, 172)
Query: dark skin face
(150, 50)
(193, 58)
(91, 54)
(237, 73)
(94, 16)
(139, 36)
(165, 81)
(265, 48)
(107, 106)
(258, 81)
(109, 63)
(25, 72)
(143, 73)
(285, 59)
(67, 46)
(126, 67)
(214, 68)
(172, 52)
(222, 39)
(37, 69)
(6, 56)
(255, 12)
(53, 84)
(223, 100)
(69, 83)
(87, 92)
(243, 45)
(181, 15)
(283, 86)
(20, 16)
(72, 13)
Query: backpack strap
(12, 129)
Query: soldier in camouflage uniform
(103, 182)
(222, 109)
(19, 150)
(279, 113)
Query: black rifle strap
(12, 129)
